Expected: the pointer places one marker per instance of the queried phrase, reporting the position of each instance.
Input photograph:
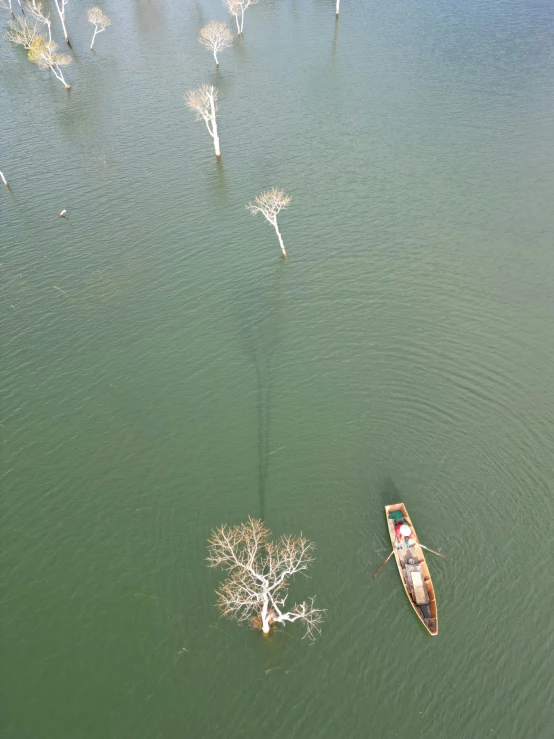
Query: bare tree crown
(22, 32)
(44, 54)
(215, 36)
(203, 100)
(200, 100)
(270, 203)
(35, 9)
(259, 571)
(97, 18)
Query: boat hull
(413, 569)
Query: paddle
(383, 564)
(433, 551)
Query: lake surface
(165, 371)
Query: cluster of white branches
(44, 54)
(270, 203)
(34, 8)
(203, 101)
(21, 32)
(237, 8)
(215, 37)
(259, 572)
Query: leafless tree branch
(237, 8)
(99, 21)
(270, 203)
(259, 571)
(215, 37)
(203, 101)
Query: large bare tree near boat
(259, 572)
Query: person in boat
(403, 531)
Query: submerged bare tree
(259, 571)
(270, 203)
(4, 180)
(203, 100)
(237, 8)
(215, 37)
(60, 7)
(22, 32)
(44, 54)
(99, 21)
(337, 9)
(36, 11)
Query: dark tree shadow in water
(390, 492)
(259, 329)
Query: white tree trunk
(338, 8)
(276, 227)
(238, 25)
(4, 180)
(93, 36)
(265, 616)
(61, 13)
(214, 129)
(241, 20)
(216, 60)
(58, 73)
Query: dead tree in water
(237, 8)
(99, 21)
(44, 54)
(270, 203)
(203, 100)
(60, 7)
(337, 9)
(215, 37)
(259, 571)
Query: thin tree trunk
(58, 73)
(241, 20)
(4, 180)
(238, 25)
(214, 129)
(216, 61)
(338, 9)
(279, 237)
(93, 36)
(61, 13)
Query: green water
(164, 371)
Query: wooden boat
(413, 569)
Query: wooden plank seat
(420, 591)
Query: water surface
(164, 371)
